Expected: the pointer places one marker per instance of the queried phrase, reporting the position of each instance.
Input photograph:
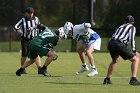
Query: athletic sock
(44, 67)
(21, 69)
(39, 67)
(133, 78)
(93, 67)
(84, 65)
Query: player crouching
(40, 46)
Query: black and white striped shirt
(24, 24)
(126, 34)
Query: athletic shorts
(95, 43)
(116, 48)
(34, 51)
(24, 47)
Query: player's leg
(89, 51)
(50, 57)
(134, 69)
(114, 52)
(111, 68)
(81, 53)
(22, 68)
(24, 53)
(38, 63)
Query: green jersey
(44, 38)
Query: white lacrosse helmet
(68, 27)
(62, 33)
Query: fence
(10, 41)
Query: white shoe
(92, 73)
(83, 69)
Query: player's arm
(17, 27)
(132, 38)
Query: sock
(93, 67)
(21, 69)
(44, 67)
(133, 78)
(84, 65)
(39, 67)
(107, 77)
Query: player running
(90, 41)
(40, 46)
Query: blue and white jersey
(91, 36)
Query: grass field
(63, 78)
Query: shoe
(24, 72)
(92, 73)
(19, 72)
(83, 69)
(134, 82)
(39, 71)
(44, 72)
(107, 81)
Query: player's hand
(20, 32)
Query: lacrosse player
(41, 46)
(90, 41)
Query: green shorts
(34, 51)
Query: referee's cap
(129, 19)
(29, 10)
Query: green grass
(63, 78)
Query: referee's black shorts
(25, 47)
(116, 48)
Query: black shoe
(40, 72)
(24, 72)
(134, 82)
(19, 71)
(107, 81)
(44, 72)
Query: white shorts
(95, 43)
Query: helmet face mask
(68, 27)
(62, 34)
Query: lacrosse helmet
(68, 27)
(62, 33)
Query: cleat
(107, 81)
(92, 73)
(44, 72)
(24, 72)
(39, 71)
(134, 82)
(19, 72)
(83, 69)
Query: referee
(27, 28)
(118, 46)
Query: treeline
(107, 14)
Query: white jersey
(80, 30)
(93, 40)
